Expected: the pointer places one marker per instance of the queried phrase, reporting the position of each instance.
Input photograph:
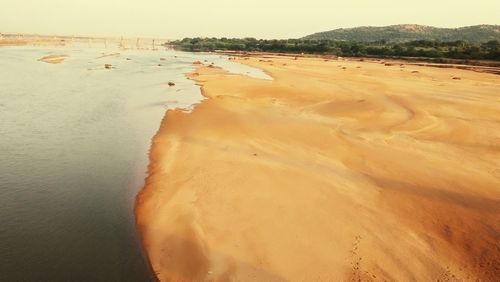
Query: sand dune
(333, 171)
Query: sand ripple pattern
(333, 171)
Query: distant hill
(410, 32)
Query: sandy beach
(335, 170)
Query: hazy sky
(233, 18)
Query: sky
(174, 19)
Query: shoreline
(437, 61)
(318, 174)
(484, 66)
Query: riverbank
(44, 40)
(334, 170)
(485, 66)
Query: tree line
(420, 48)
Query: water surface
(74, 139)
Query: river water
(74, 139)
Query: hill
(410, 32)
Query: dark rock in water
(108, 66)
(197, 63)
(128, 59)
(162, 59)
(211, 66)
(159, 65)
(457, 78)
(170, 83)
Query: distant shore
(490, 66)
(15, 39)
(335, 170)
(474, 65)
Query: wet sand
(333, 171)
(53, 59)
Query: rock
(456, 78)
(197, 63)
(162, 59)
(170, 83)
(108, 66)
